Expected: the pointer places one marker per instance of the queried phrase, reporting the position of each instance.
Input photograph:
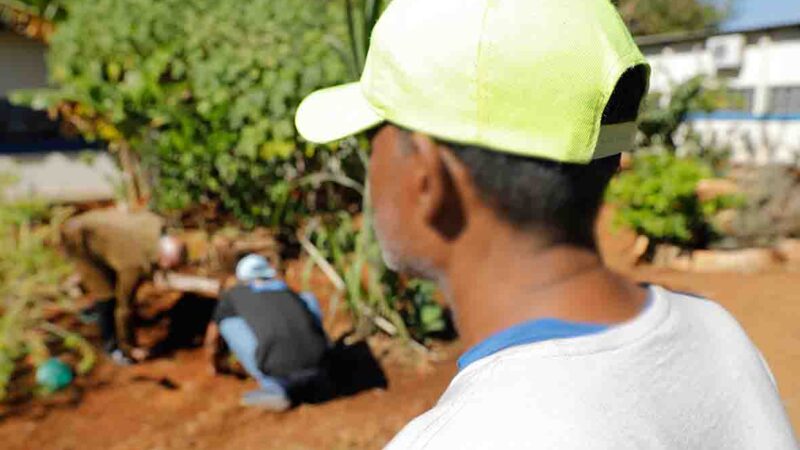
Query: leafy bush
(771, 208)
(353, 252)
(32, 276)
(645, 17)
(204, 90)
(46, 9)
(657, 198)
(375, 294)
(423, 315)
(361, 15)
(660, 121)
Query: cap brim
(335, 113)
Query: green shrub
(657, 198)
(374, 293)
(423, 315)
(670, 16)
(204, 90)
(771, 208)
(660, 120)
(32, 275)
(46, 9)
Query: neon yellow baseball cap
(528, 77)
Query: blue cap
(254, 267)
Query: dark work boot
(105, 313)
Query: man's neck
(498, 284)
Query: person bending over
(113, 251)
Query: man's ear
(430, 175)
(440, 199)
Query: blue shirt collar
(272, 285)
(534, 331)
(528, 333)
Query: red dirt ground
(127, 408)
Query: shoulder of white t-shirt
(683, 314)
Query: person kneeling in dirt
(113, 251)
(275, 333)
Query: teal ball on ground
(53, 375)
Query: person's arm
(72, 237)
(214, 348)
(214, 344)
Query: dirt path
(127, 412)
(132, 410)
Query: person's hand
(212, 356)
(139, 354)
(119, 358)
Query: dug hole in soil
(175, 403)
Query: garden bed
(783, 255)
(201, 411)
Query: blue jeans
(243, 343)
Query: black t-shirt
(290, 338)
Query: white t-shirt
(681, 375)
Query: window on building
(19, 124)
(25, 130)
(784, 100)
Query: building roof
(688, 36)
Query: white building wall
(53, 176)
(783, 57)
(22, 63)
(61, 177)
(753, 141)
(770, 59)
(673, 64)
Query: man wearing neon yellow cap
(496, 126)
